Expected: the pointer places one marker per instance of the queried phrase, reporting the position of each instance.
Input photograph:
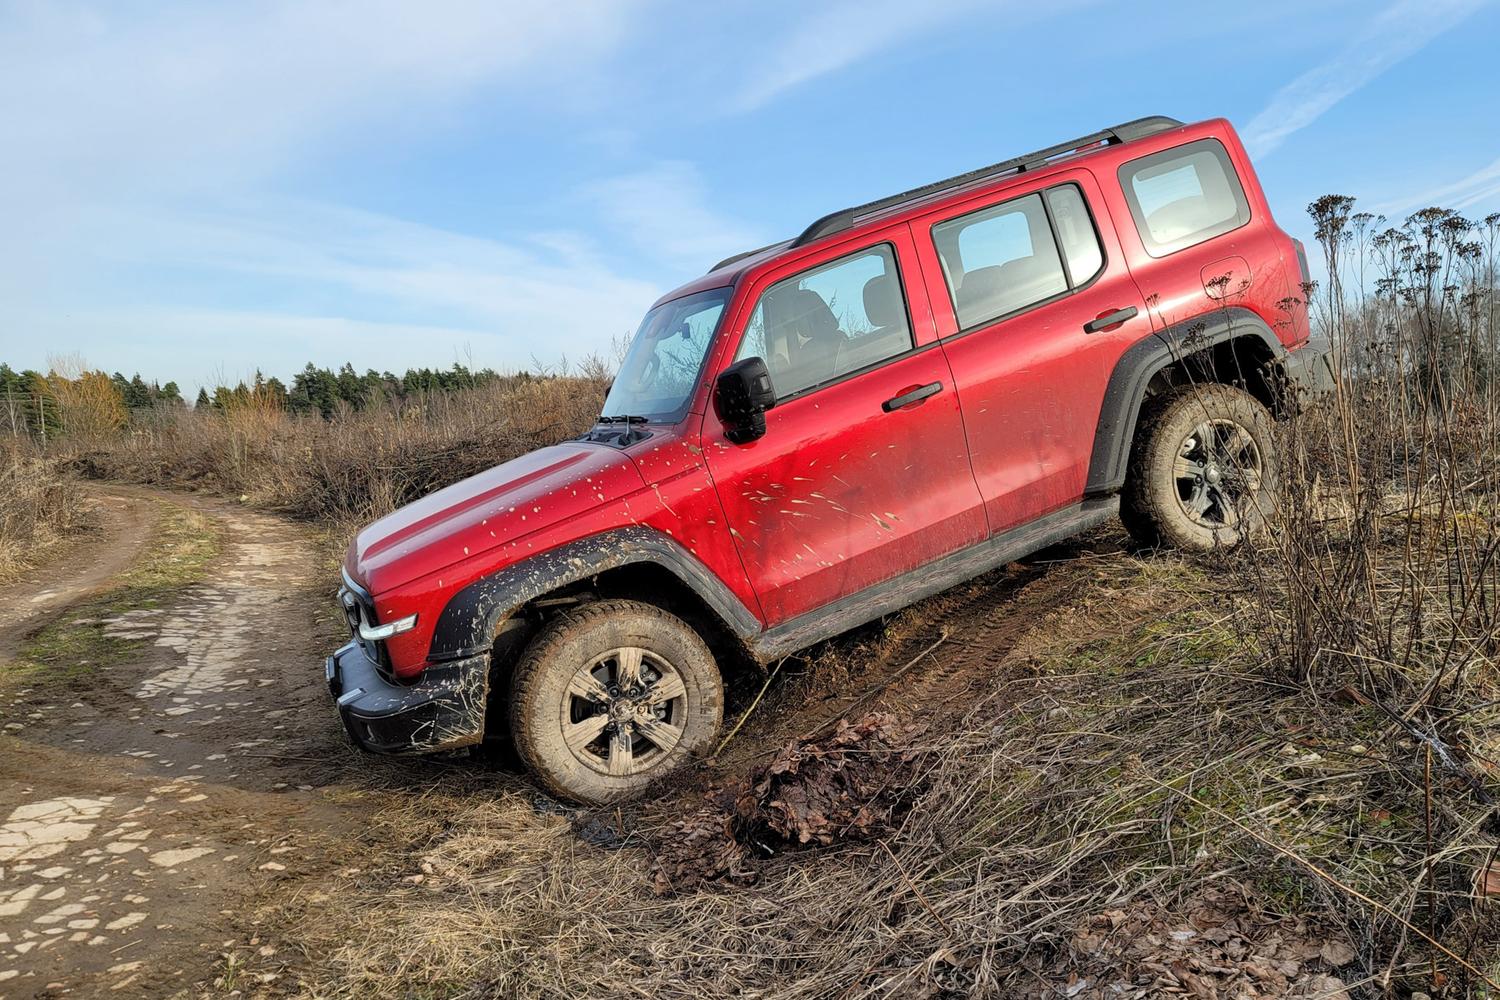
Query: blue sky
(194, 191)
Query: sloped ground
(1070, 778)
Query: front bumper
(443, 710)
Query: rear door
(863, 472)
(1034, 305)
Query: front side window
(826, 322)
(999, 260)
(665, 359)
(1183, 196)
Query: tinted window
(1076, 233)
(999, 260)
(1181, 197)
(829, 321)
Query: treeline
(41, 405)
(323, 390)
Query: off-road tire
(540, 694)
(1151, 504)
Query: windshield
(662, 366)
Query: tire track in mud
(140, 814)
(981, 631)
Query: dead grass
(1131, 757)
(357, 466)
(38, 508)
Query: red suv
(822, 431)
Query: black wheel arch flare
(1142, 361)
(471, 618)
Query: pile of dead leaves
(855, 785)
(1218, 945)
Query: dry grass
(1131, 756)
(38, 508)
(357, 466)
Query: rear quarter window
(1183, 196)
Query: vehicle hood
(482, 512)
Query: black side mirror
(743, 394)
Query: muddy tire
(611, 696)
(1203, 469)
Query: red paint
(839, 494)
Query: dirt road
(146, 801)
(156, 800)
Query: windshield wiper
(627, 435)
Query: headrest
(883, 301)
(805, 309)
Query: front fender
(471, 618)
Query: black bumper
(443, 710)
(1309, 369)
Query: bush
(37, 508)
(357, 465)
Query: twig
(760, 694)
(914, 890)
(876, 689)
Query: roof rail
(844, 218)
(743, 254)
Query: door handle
(912, 396)
(1106, 320)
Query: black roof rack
(844, 218)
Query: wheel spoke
(1188, 468)
(663, 734)
(580, 734)
(588, 687)
(1229, 514)
(669, 687)
(621, 754)
(1199, 502)
(628, 666)
(1239, 447)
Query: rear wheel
(611, 696)
(1203, 469)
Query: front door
(863, 472)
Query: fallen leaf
(1337, 953)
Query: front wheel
(611, 696)
(1203, 469)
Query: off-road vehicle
(819, 432)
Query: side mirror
(742, 395)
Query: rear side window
(999, 260)
(824, 323)
(1181, 197)
(1005, 258)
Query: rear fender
(1143, 361)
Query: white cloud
(1479, 188)
(664, 211)
(122, 122)
(833, 36)
(120, 93)
(1395, 33)
(422, 292)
